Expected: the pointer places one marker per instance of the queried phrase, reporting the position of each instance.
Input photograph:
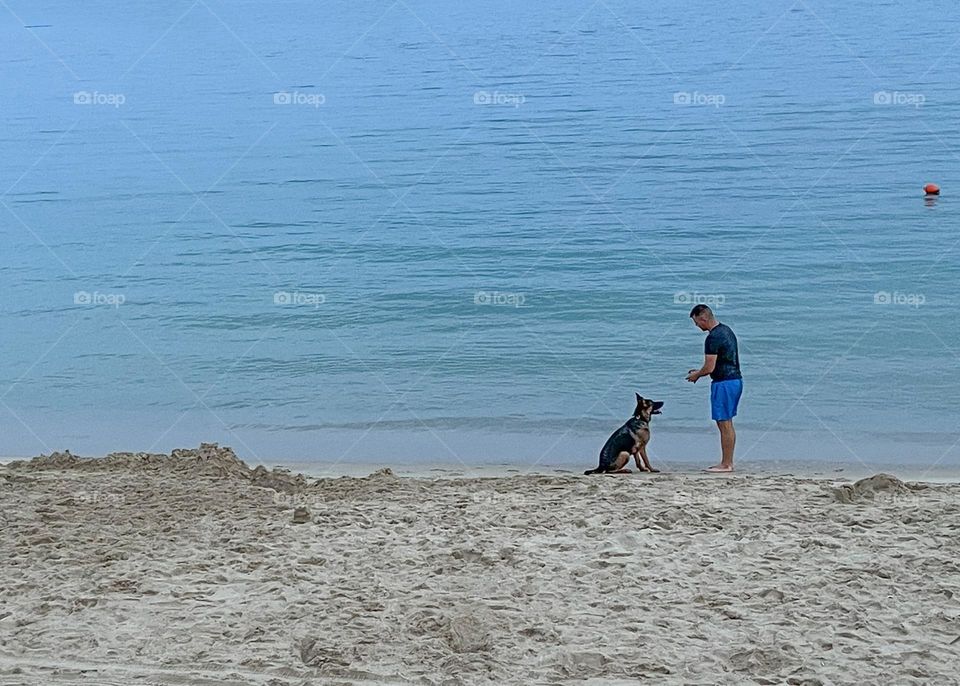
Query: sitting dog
(629, 439)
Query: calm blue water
(471, 231)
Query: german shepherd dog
(629, 439)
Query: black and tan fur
(629, 439)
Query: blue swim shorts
(724, 398)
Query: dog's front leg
(636, 458)
(646, 460)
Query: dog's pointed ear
(639, 397)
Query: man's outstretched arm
(709, 362)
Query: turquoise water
(375, 231)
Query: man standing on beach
(721, 361)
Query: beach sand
(195, 569)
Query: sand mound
(872, 487)
(209, 460)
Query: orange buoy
(931, 189)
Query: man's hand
(709, 364)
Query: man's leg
(724, 398)
(728, 441)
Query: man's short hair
(700, 310)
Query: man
(721, 361)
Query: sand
(195, 569)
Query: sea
(468, 233)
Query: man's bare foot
(719, 468)
(620, 471)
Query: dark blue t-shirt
(722, 343)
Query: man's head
(703, 317)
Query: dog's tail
(593, 471)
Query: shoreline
(824, 469)
(831, 471)
(570, 447)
